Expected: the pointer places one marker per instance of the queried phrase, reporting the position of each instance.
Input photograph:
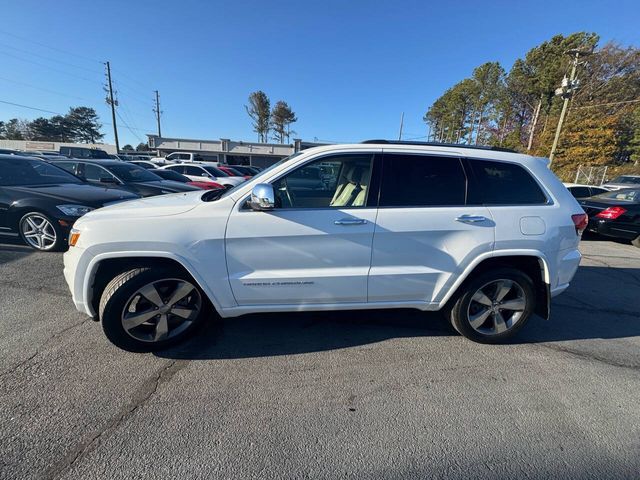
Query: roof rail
(438, 144)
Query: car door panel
(416, 251)
(304, 254)
(419, 245)
(299, 256)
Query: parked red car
(233, 172)
(177, 177)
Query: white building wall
(34, 145)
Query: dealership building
(228, 151)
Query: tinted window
(345, 183)
(22, 171)
(501, 183)
(196, 171)
(177, 168)
(580, 192)
(68, 166)
(95, 173)
(133, 173)
(598, 191)
(216, 172)
(421, 180)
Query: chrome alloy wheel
(38, 231)
(161, 310)
(496, 307)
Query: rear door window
(502, 183)
(580, 192)
(422, 181)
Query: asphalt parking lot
(391, 394)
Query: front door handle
(350, 221)
(471, 218)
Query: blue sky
(348, 68)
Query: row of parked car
(613, 208)
(43, 193)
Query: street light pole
(566, 91)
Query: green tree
(259, 109)
(281, 118)
(127, 148)
(142, 147)
(84, 125)
(14, 129)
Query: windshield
(133, 173)
(626, 179)
(256, 179)
(626, 195)
(215, 171)
(22, 171)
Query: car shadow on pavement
(585, 311)
(11, 250)
(260, 335)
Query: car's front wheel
(493, 306)
(147, 309)
(41, 232)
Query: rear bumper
(610, 228)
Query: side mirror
(262, 197)
(205, 175)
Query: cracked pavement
(385, 394)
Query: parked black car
(40, 201)
(615, 214)
(84, 152)
(122, 175)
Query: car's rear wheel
(147, 309)
(493, 306)
(41, 232)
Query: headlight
(74, 210)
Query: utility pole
(158, 112)
(566, 90)
(113, 104)
(401, 125)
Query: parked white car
(581, 191)
(623, 181)
(178, 157)
(205, 172)
(486, 236)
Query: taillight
(611, 213)
(580, 220)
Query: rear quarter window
(502, 183)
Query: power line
(43, 89)
(48, 58)
(66, 52)
(58, 113)
(30, 108)
(128, 127)
(607, 104)
(49, 67)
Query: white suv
(486, 236)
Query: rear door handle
(350, 221)
(471, 218)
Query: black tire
(60, 243)
(460, 311)
(118, 294)
(636, 241)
